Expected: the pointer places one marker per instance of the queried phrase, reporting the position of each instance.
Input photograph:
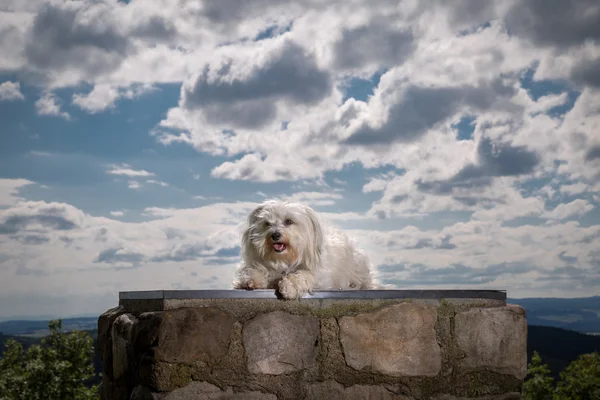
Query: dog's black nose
(276, 236)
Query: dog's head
(283, 231)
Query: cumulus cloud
(10, 91)
(376, 43)
(555, 23)
(487, 114)
(575, 208)
(49, 104)
(30, 216)
(9, 190)
(244, 92)
(104, 96)
(415, 110)
(126, 170)
(75, 35)
(493, 160)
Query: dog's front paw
(247, 284)
(290, 287)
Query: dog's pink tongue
(279, 246)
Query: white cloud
(159, 183)
(9, 190)
(126, 170)
(99, 99)
(574, 189)
(277, 110)
(315, 199)
(134, 185)
(575, 208)
(48, 104)
(10, 91)
(104, 96)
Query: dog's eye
(288, 222)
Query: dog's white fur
(315, 257)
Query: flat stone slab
(277, 343)
(399, 340)
(318, 294)
(494, 338)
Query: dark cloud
(229, 252)
(587, 72)
(444, 244)
(373, 43)
(455, 274)
(572, 274)
(116, 255)
(593, 153)
(494, 159)
(31, 239)
(85, 38)
(157, 29)
(470, 13)
(15, 223)
(185, 252)
(557, 23)
(189, 252)
(224, 13)
(567, 259)
(290, 75)
(422, 108)
(500, 159)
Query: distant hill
(558, 346)
(580, 314)
(40, 328)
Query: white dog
(285, 247)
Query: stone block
(494, 339)
(163, 377)
(278, 342)
(333, 390)
(121, 343)
(199, 390)
(105, 323)
(399, 340)
(185, 335)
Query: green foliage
(539, 384)
(56, 369)
(579, 381)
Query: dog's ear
(316, 239)
(252, 219)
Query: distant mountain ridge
(576, 314)
(39, 328)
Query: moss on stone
(165, 377)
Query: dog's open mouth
(279, 247)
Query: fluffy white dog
(286, 247)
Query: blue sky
(458, 146)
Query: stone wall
(266, 348)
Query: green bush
(59, 368)
(579, 381)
